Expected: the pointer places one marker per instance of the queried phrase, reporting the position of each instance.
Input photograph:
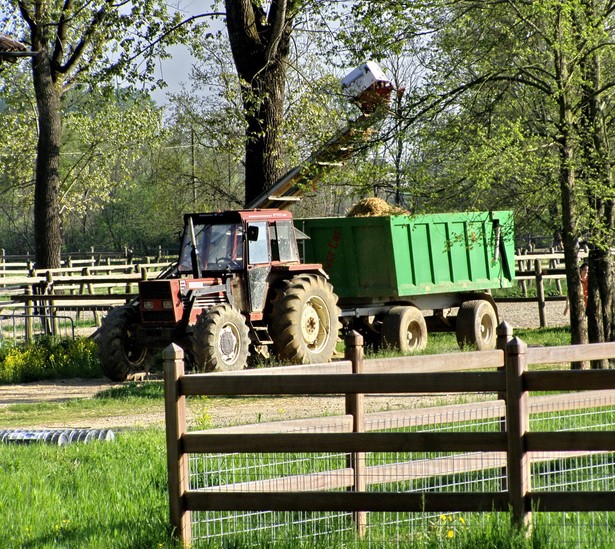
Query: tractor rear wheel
(122, 356)
(476, 325)
(404, 329)
(220, 340)
(305, 320)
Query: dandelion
(450, 534)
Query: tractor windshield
(219, 247)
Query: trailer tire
(404, 329)
(121, 356)
(220, 340)
(305, 320)
(476, 325)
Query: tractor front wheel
(220, 340)
(122, 356)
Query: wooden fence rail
(50, 292)
(508, 376)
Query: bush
(49, 358)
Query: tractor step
(262, 334)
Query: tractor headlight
(148, 305)
(167, 304)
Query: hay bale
(374, 207)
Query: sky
(176, 70)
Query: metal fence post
(517, 423)
(29, 315)
(53, 319)
(355, 407)
(177, 461)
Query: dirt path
(218, 412)
(53, 391)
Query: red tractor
(238, 289)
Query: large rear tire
(476, 325)
(220, 340)
(122, 357)
(404, 329)
(305, 320)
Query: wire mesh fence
(16, 327)
(408, 472)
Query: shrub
(49, 358)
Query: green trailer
(398, 277)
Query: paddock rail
(508, 376)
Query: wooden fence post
(540, 293)
(504, 332)
(355, 407)
(517, 422)
(553, 265)
(177, 461)
(90, 287)
(522, 268)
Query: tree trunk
(598, 182)
(578, 319)
(263, 143)
(259, 43)
(570, 221)
(47, 225)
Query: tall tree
(77, 41)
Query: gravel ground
(526, 314)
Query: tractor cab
(235, 241)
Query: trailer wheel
(220, 340)
(404, 328)
(304, 320)
(122, 357)
(476, 325)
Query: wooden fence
(49, 292)
(92, 257)
(509, 378)
(99, 282)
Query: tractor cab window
(258, 242)
(283, 243)
(220, 247)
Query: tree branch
(277, 12)
(172, 30)
(97, 19)
(58, 49)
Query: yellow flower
(450, 534)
